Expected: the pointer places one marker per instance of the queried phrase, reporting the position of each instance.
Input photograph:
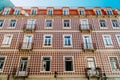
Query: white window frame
(28, 62)
(18, 9)
(3, 64)
(117, 39)
(48, 11)
(27, 35)
(99, 10)
(41, 66)
(10, 22)
(109, 9)
(48, 27)
(3, 23)
(89, 37)
(72, 63)
(105, 42)
(4, 13)
(3, 45)
(69, 24)
(81, 9)
(111, 65)
(67, 11)
(70, 40)
(33, 9)
(44, 40)
(117, 22)
(105, 23)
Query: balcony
(85, 28)
(29, 28)
(93, 72)
(22, 73)
(25, 46)
(88, 47)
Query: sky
(70, 3)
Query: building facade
(59, 43)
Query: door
(27, 43)
(84, 24)
(30, 24)
(87, 42)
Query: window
(91, 62)
(7, 40)
(115, 23)
(109, 12)
(12, 23)
(23, 64)
(98, 12)
(27, 43)
(68, 63)
(48, 23)
(66, 23)
(82, 12)
(102, 23)
(118, 39)
(114, 64)
(84, 24)
(107, 40)
(6, 11)
(17, 11)
(50, 11)
(47, 40)
(65, 11)
(1, 23)
(46, 64)
(2, 61)
(34, 11)
(31, 24)
(67, 40)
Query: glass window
(47, 40)
(2, 61)
(118, 39)
(7, 40)
(91, 62)
(98, 12)
(66, 23)
(6, 11)
(65, 11)
(50, 11)
(48, 23)
(12, 23)
(1, 23)
(107, 41)
(114, 63)
(82, 12)
(68, 64)
(67, 41)
(34, 11)
(102, 23)
(23, 64)
(115, 23)
(109, 12)
(17, 11)
(46, 64)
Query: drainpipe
(104, 74)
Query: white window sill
(47, 46)
(69, 71)
(11, 27)
(67, 46)
(66, 27)
(103, 27)
(45, 71)
(1, 71)
(116, 27)
(110, 46)
(5, 45)
(48, 27)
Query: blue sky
(71, 3)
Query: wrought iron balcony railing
(85, 28)
(30, 28)
(88, 46)
(25, 46)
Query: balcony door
(87, 42)
(30, 24)
(27, 43)
(23, 64)
(84, 24)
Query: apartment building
(59, 43)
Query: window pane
(2, 59)
(12, 23)
(1, 23)
(68, 64)
(48, 23)
(46, 64)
